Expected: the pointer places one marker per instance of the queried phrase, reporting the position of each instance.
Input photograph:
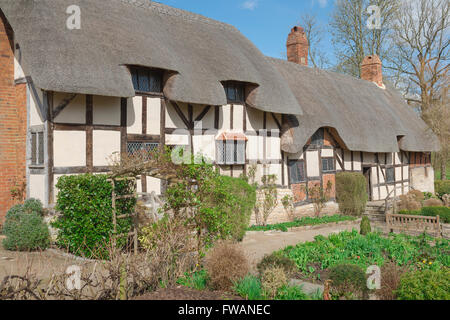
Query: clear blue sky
(266, 23)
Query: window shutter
(40, 158)
(33, 148)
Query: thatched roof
(366, 117)
(114, 33)
(202, 53)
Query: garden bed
(313, 259)
(304, 222)
(184, 293)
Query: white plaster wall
(238, 117)
(398, 174)
(339, 156)
(18, 71)
(348, 160)
(35, 115)
(205, 145)
(208, 120)
(255, 119)
(422, 179)
(327, 153)
(398, 159)
(273, 148)
(172, 118)
(312, 163)
(134, 115)
(255, 148)
(74, 112)
(69, 148)
(37, 187)
(153, 116)
(177, 139)
(225, 118)
(153, 184)
(105, 143)
(276, 170)
(106, 110)
(405, 172)
(357, 162)
(382, 174)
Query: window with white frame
(230, 152)
(37, 148)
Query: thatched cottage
(134, 75)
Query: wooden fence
(403, 223)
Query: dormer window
(235, 92)
(146, 80)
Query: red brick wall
(13, 122)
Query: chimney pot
(297, 46)
(371, 70)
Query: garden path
(256, 244)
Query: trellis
(115, 198)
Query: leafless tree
(352, 38)
(314, 33)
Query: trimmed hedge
(85, 203)
(351, 193)
(442, 187)
(25, 229)
(442, 212)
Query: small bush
(273, 279)
(276, 260)
(291, 293)
(442, 212)
(86, 223)
(365, 226)
(433, 203)
(25, 231)
(197, 280)
(169, 244)
(442, 187)
(33, 206)
(425, 285)
(226, 263)
(418, 195)
(409, 202)
(348, 281)
(249, 288)
(390, 280)
(351, 193)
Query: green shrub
(351, 193)
(442, 212)
(291, 293)
(33, 206)
(272, 280)
(365, 226)
(25, 231)
(442, 187)
(276, 259)
(249, 288)
(86, 222)
(425, 285)
(349, 281)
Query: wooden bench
(403, 223)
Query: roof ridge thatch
(184, 14)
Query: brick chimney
(371, 70)
(297, 46)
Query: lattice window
(235, 92)
(37, 148)
(146, 80)
(390, 175)
(230, 152)
(317, 138)
(328, 164)
(141, 149)
(297, 171)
